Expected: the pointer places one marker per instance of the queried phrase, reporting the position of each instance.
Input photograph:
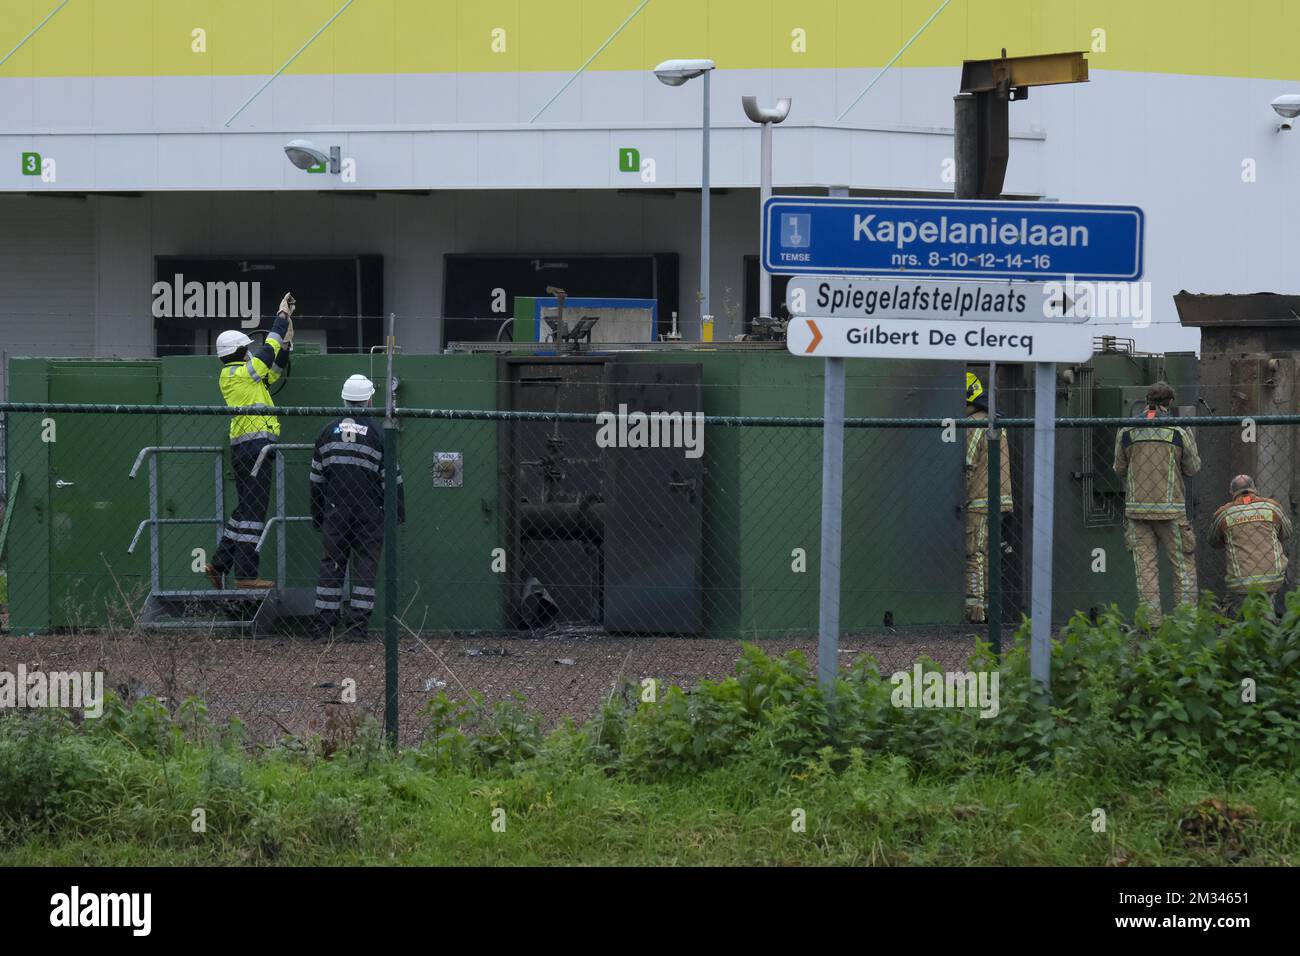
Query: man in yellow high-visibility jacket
(245, 374)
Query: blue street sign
(968, 239)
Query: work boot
(214, 576)
(254, 584)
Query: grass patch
(1169, 747)
(292, 810)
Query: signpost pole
(828, 633)
(1040, 647)
(828, 610)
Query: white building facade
(470, 128)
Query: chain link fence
(560, 555)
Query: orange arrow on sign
(817, 336)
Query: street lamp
(766, 118)
(304, 154)
(1287, 106)
(675, 73)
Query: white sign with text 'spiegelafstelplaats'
(853, 298)
(938, 339)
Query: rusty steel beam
(1048, 69)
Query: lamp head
(1287, 105)
(677, 72)
(760, 114)
(304, 154)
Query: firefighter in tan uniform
(1252, 529)
(1152, 458)
(977, 497)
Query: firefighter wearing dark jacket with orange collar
(348, 472)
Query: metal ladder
(166, 609)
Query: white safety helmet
(358, 388)
(230, 341)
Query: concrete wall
(412, 233)
(1199, 154)
(1175, 119)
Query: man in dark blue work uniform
(347, 507)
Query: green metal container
(76, 510)
(903, 560)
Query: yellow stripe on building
(1248, 38)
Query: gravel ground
(287, 686)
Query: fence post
(390, 549)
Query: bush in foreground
(1182, 743)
